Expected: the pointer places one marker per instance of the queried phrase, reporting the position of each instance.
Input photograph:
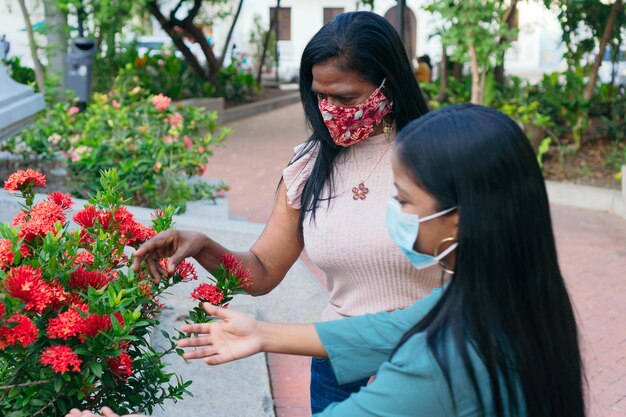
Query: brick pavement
(591, 245)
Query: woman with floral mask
(357, 88)
(498, 339)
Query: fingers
(216, 311)
(107, 412)
(216, 360)
(74, 412)
(195, 341)
(200, 353)
(202, 328)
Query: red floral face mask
(349, 125)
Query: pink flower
(157, 166)
(161, 102)
(201, 149)
(168, 139)
(142, 128)
(175, 119)
(73, 110)
(116, 104)
(188, 142)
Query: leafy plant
(155, 147)
(237, 85)
(20, 73)
(75, 320)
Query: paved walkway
(592, 250)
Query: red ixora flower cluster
(26, 283)
(61, 358)
(22, 179)
(122, 220)
(231, 277)
(40, 295)
(185, 270)
(235, 267)
(121, 366)
(24, 332)
(41, 219)
(208, 293)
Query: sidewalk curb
(587, 197)
(251, 109)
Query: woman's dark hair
(507, 300)
(366, 43)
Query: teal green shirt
(411, 383)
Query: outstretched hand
(106, 412)
(173, 244)
(235, 336)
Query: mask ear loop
(445, 253)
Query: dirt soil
(596, 163)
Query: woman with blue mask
(499, 338)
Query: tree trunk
(457, 71)
(168, 27)
(273, 20)
(212, 62)
(57, 39)
(444, 80)
(508, 21)
(39, 70)
(230, 33)
(610, 25)
(477, 83)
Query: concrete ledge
(247, 110)
(586, 197)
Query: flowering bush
(155, 147)
(75, 321)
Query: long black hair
(366, 43)
(507, 300)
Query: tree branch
(169, 27)
(230, 34)
(610, 25)
(26, 384)
(194, 11)
(175, 10)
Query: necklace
(360, 191)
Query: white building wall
(12, 23)
(537, 51)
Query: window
(330, 12)
(284, 22)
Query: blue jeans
(324, 386)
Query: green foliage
(28, 387)
(583, 23)
(156, 73)
(156, 150)
(21, 74)
(257, 40)
(237, 86)
(474, 22)
(560, 96)
(105, 19)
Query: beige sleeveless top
(365, 271)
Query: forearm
(292, 339)
(262, 281)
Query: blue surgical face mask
(403, 229)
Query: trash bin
(80, 68)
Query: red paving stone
(591, 245)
